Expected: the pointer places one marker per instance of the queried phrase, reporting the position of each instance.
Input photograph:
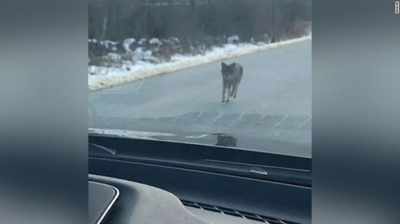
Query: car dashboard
(156, 188)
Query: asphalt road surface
(272, 112)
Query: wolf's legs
(223, 92)
(227, 95)
(227, 92)
(232, 90)
(235, 89)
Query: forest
(169, 27)
(195, 19)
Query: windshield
(234, 73)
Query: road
(272, 112)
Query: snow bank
(155, 41)
(233, 39)
(127, 44)
(108, 77)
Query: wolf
(231, 77)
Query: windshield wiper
(103, 148)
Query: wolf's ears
(223, 65)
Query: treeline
(197, 20)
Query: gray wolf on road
(231, 76)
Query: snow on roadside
(127, 44)
(109, 77)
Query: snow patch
(114, 56)
(127, 44)
(233, 39)
(108, 43)
(155, 41)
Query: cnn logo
(397, 7)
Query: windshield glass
(233, 73)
